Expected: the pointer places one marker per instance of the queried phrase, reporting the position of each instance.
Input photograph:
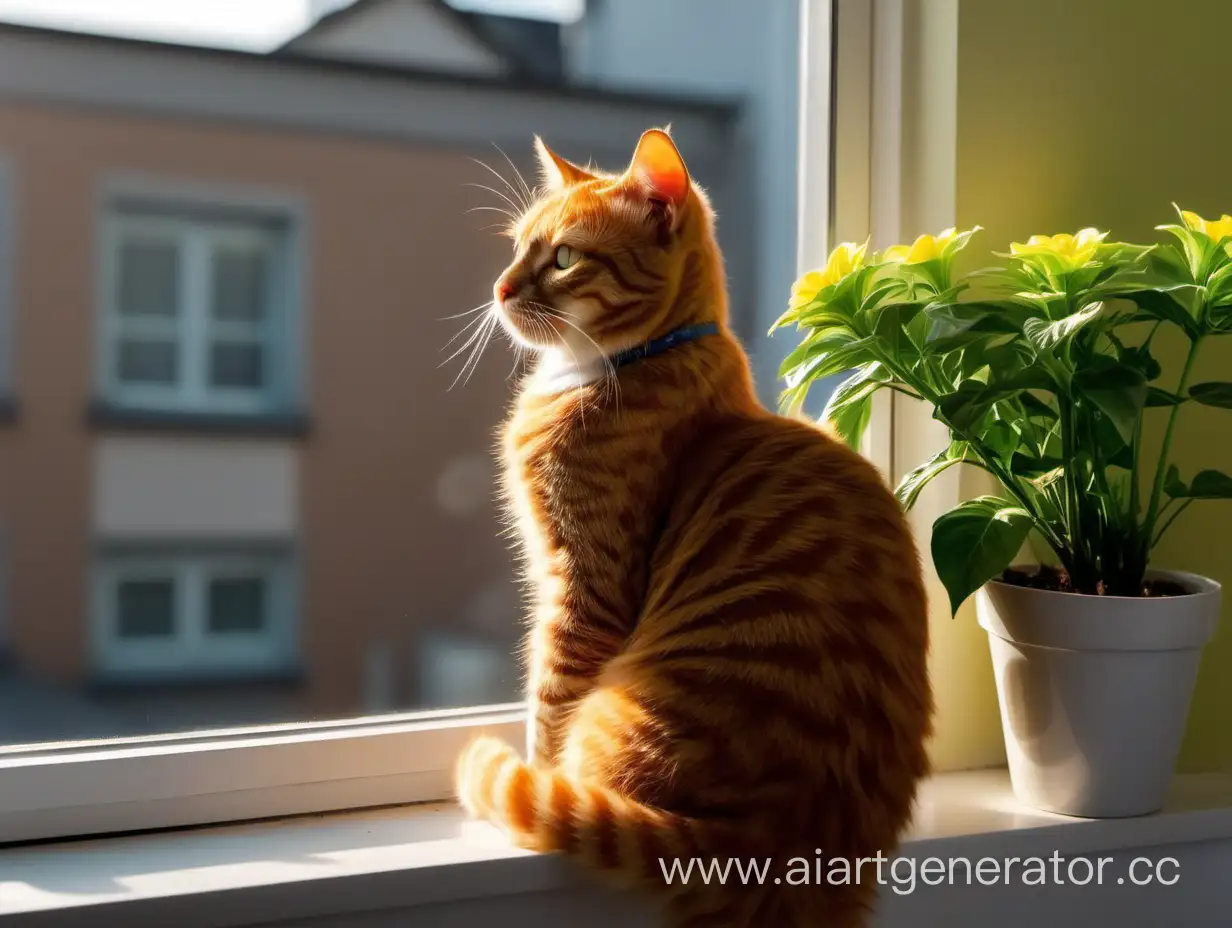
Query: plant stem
(1168, 523)
(1135, 492)
(1152, 513)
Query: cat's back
(784, 546)
(786, 603)
(782, 493)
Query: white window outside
(216, 614)
(196, 313)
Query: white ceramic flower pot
(1095, 691)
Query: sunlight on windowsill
(429, 854)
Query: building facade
(234, 482)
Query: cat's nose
(505, 288)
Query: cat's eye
(566, 257)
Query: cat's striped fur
(727, 655)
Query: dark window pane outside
(239, 285)
(146, 609)
(237, 364)
(147, 361)
(149, 278)
(237, 605)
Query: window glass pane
(145, 608)
(147, 361)
(236, 604)
(240, 284)
(282, 260)
(237, 364)
(148, 277)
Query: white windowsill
(419, 855)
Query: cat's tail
(543, 810)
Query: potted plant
(1043, 372)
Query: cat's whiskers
(512, 205)
(480, 307)
(492, 209)
(528, 195)
(520, 352)
(472, 362)
(468, 327)
(505, 227)
(475, 327)
(519, 194)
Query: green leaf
(959, 242)
(814, 345)
(975, 542)
(892, 320)
(1219, 292)
(1173, 485)
(909, 489)
(1221, 318)
(1110, 446)
(1047, 336)
(1036, 408)
(1162, 305)
(1212, 393)
(850, 405)
(1001, 437)
(1023, 465)
(956, 324)
(1157, 397)
(1004, 357)
(1140, 358)
(851, 421)
(882, 290)
(966, 407)
(1168, 261)
(830, 360)
(1207, 484)
(1117, 391)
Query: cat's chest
(577, 487)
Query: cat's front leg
(568, 650)
(546, 723)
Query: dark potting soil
(1057, 580)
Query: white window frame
(237, 774)
(199, 217)
(192, 651)
(893, 83)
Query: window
(195, 311)
(272, 230)
(164, 618)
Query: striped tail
(543, 810)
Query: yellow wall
(1102, 112)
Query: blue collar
(656, 346)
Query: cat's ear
(660, 171)
(557, 172)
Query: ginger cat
(727, 655)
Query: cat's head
(604, 262)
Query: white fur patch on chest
(557, 373)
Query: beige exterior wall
(384, 550)
(195, 488)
